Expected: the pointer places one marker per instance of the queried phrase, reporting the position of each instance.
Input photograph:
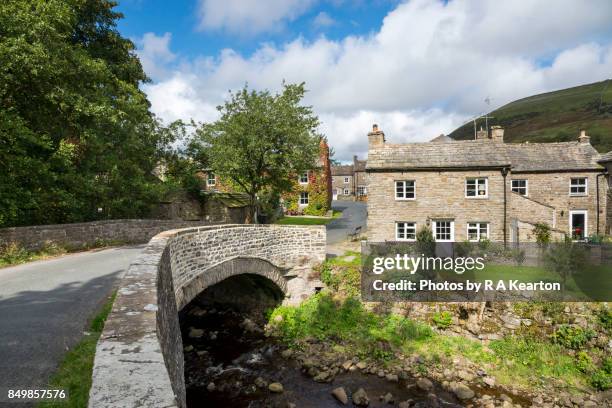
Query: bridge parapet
(139, 358)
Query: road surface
(45, 307)
(354, 214)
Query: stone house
(485, 188)
(349, 181)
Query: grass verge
(307, 220)
(74, 372)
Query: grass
(14, 254)
(74, 372)
(307, 220)
(555, 117)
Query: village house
(486, 188)
(349, 181)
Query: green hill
(554, 117)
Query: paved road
(354, 214)
(45, 307)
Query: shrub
(442, 320)
(13, 253)
(572, 337)
(542, 233)
(584, 362)
(601, 380)
(605, 318)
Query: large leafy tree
(76, 132)
(261, 142)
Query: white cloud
(249, 17)
(427, 69)
(323, 20)
(154, 53)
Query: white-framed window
(405, 190)
(211, 180)
(304, 178)
(578, 186)
(477, 188)
(405, 231)
(304, 198)
(346, 180)
(477, 231)
(361, 190)
(346, 191)
(444, 230)
(578, 223)
(520, 187)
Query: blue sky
(418, 68)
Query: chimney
(497, 133)
(376, 138)
(482, 134)
(584, 138)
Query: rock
(323, 376)
(424, 384)
(403, 375)
(577, 400)
(590, 404)
(361, 365)
(276, 387)
(392, 377)
(212, 335)
(347, 364)
(260, 382)
(287, 353)
(249, 326)
(291, 405)
(504, 397)
(211, 387)
(360, 398)
(188, 348)
(465, 375)
(340, 394)
(432, 401)
(510, 322)
(308, 363)
(405, 404)
(463, 392)
(381, 373)
(538, 401)
(195, 333)
(388, 398)
(490, 381)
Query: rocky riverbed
(229, 362)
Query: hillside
(555, 117)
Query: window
(304, 178)
(303, 198)
(405, 190)
(210, 179)
(476, 187)
(578, 224)
(361, 191)
(346, 180)
(578, 186)
(444, 231)
(346, 191)
(477, 231)
(520, 187)
(405, 231)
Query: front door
(335, 194)
(578, 225)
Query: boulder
(463, 392)
(424, 384)
(360, 398)
(340, 394)
(276, 387)
(195, 333)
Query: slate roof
(606, 158)
(485, 154)
(344, 170)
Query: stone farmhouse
(486, 189)
(349, 181)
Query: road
(45, 307)
(354, 214)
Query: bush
(13, 253)
(542, 233)
(601, 380)
(584, 362)
(442, 320)
(572, 337)
(605, 318)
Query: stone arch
(231, 267)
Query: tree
(76, 132)
(261, 141)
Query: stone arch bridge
(139, 357)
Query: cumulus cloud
(249, 17)
(426, 70)
(323, 20)
(154, 53)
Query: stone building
(349, 181)
(485, 188)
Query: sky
(417, 68)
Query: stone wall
(139, 358)
(84, 234)
(527, 209)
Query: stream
(229, 362)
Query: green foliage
(584, 362)
(442, 320)
(426, 244)
(542, 233)
(604, 316)
(601, 380)
(572, 337)
(565, 258)
(261, 140)
(341, 275)
(76, 133)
